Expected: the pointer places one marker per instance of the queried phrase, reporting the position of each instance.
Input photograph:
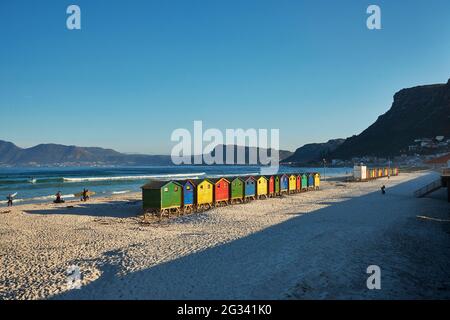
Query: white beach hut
(360, 172)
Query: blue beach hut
(250, 188)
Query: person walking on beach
(10, 200)
(383, 189)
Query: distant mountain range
(419, 112)
(57, 154)
(282, 154)
(314, 152)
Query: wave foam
(118, 178)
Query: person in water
(383, 189)
(10, 199)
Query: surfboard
(13, 195)
(80, 194)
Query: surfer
(58, 198)
(85, 194)
(383, 189)
(10, 199)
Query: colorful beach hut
(316, 181)
(276, 184)
(188, 194)
(298, 183)
(205, 194)
(237, 189)
(304, 181)
(270, 186)
(162, 196)
(310, 181)
(249, 188)
(292, 183)
(284, 184)
(261, 187)
(221, 191)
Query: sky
(138, 70)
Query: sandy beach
(305, 246)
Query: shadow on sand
(113, 209)
(320, 255)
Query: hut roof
(194, 182)
(158, 184)
(215, 180)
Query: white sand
(310, 245)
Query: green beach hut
(237, 189)
(162, 196)
(277, 185)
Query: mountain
(314, 152)
(283, 154)
(418, 112)
(57, 154)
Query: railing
(428, 188)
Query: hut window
(188, 187)
(218, 186)
(209, 186)
(176, 189)
(201, 187)
(166, 189)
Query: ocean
(41, 184)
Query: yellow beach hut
(205, 194)
(292, 183)
(317, 181)
(261, 187)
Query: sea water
(41, 184)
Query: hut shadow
(113, 209)
(312, 254)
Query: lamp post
(324, 169)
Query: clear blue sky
(139, 69)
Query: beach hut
(386, 172)
(221, 191)
(261, 187)
(298, 185)
(310, 181)
(304, 181)
(249, 188)
(380, 173)
(237, 190)
(292, 183)
(162, 196)
(188, 194)
(205, 194)
(270, 186)
(316, 180)
(276, 184)
(284, 184)
(396, 171)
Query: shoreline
(268, 249)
